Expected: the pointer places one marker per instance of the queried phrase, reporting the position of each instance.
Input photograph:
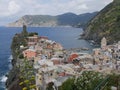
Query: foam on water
(10, 59)
(3, 76)
(3, 79)
(2, 82)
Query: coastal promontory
(67, 19)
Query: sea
(67, 36)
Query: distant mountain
(67, 19)
(105, 24)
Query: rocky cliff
(105, 24)
(22, 69)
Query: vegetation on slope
(105, 24)
(90, 80)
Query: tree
(68, 84)
(114, 80)
(32, 34)
(50, 86)
(88, 80)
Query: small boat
(86, 49)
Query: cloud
(13, 7)
(9, 8)
(18, 8)
(52, 7)
(59, 6)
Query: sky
(11, 10)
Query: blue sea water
(67, 36)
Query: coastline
(13, 74)
(13, 63)
(4, 77)
(89, 65)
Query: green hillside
(105, 24)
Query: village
(55, 64)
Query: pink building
(29, 53)
(56, 61)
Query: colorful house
(32, 40)
(30, 53)
(72, 57)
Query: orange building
(29, 53)
(72, 57)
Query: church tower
(103, 42)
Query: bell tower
(103, 42)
